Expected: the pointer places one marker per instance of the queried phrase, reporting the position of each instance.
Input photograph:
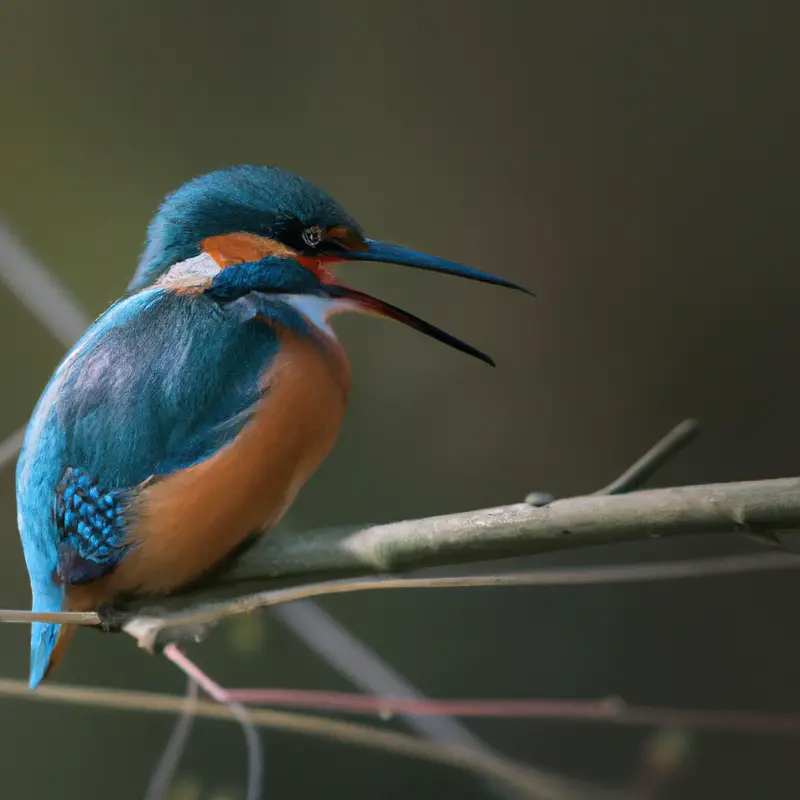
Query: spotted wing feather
(91, 527)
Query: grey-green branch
(288, 565)
(764, 508)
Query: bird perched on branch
(188, 417)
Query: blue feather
(91, 527)
(46, 597)
(281, 275)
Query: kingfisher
(186, 420)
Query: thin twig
(609, 710)
(65, 617)
(644, 468)
(255, 758)
(164, 773)
(534, 783)
(148, 629)
(579, 576)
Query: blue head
(266, 202)
(245, 213)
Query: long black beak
(366, 303)
(394, 254)
(371, 250)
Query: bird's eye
(313, 236)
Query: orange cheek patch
(237, 248)
(320, 266)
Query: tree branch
(765, 508)
(762, 507)
(643, 469)
(530, 782)
(295, 565)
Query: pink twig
(255, 763)
(608, 710)
(191, 670)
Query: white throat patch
(194, 272)
(315, 309)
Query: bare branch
(757, 507)
(643, 469)
(767, 505)
(532, 783)
(64, 617)
(579, 576)
(147, 629)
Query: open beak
(371, 250)
(367, 304)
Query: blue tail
(44, 635)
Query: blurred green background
(635, 164)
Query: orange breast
(191, 520)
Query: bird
(186, 420)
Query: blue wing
(160, 382)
